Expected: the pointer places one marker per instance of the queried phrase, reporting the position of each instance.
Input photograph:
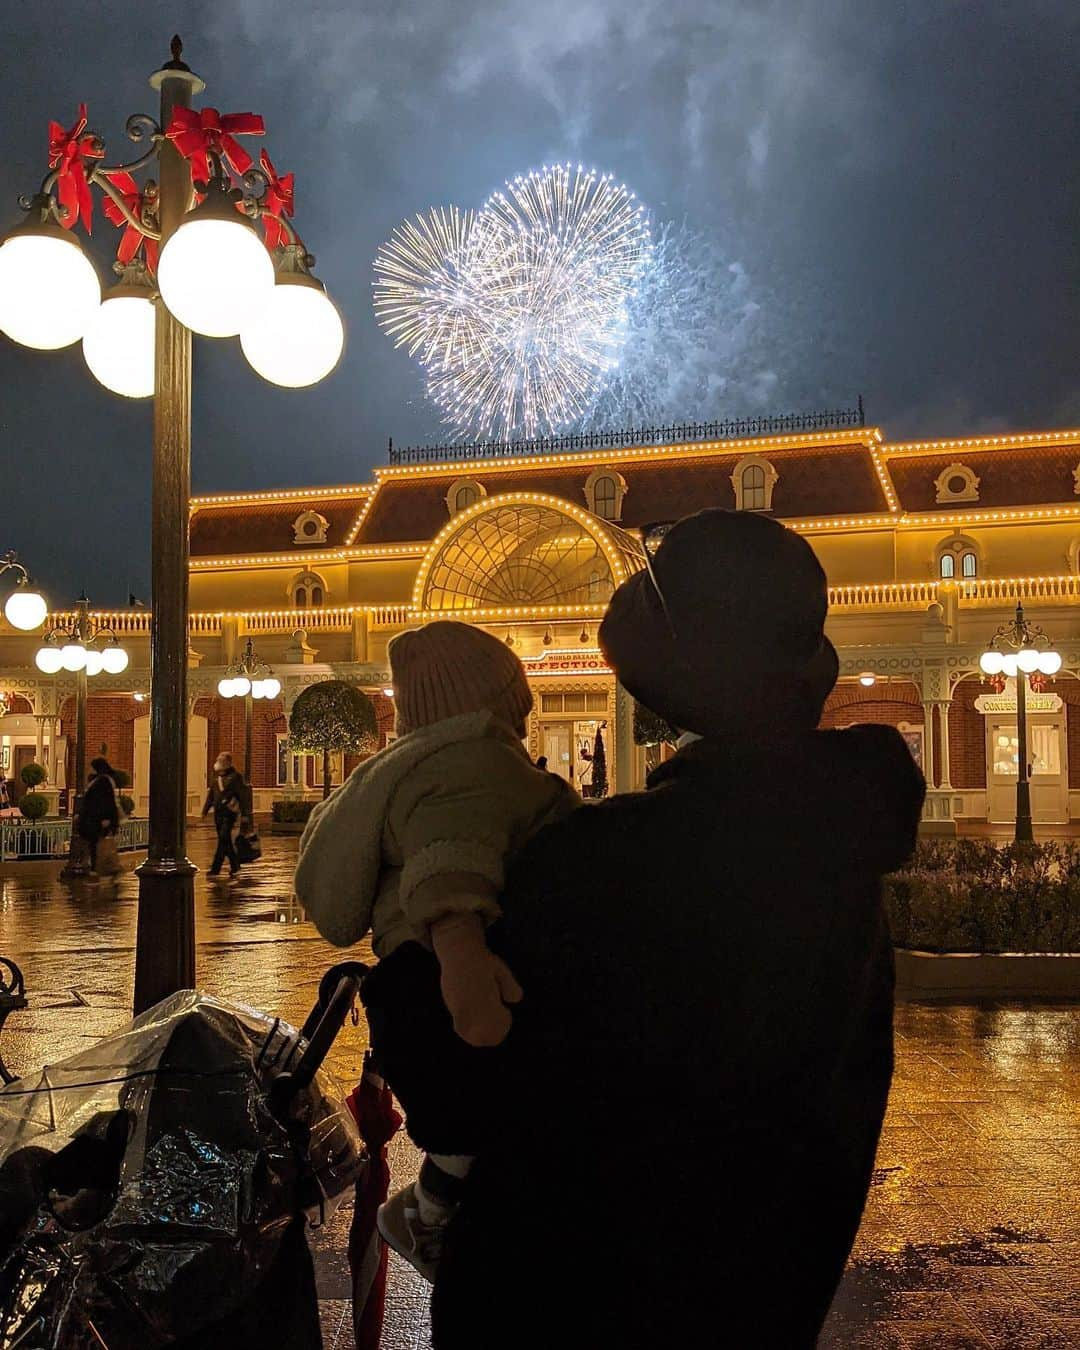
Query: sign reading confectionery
(567, 663)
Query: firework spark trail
(517, 314)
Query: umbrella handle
(337, 994)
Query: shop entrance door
(1049, 771)
(555, 743)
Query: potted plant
(34, 805)
(333, 717)
(32, 775)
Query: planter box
(965, 975)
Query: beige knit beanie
(446, 668)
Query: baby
(412, 849)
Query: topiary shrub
(121, 778)
(32, 775)
(34, 805)
(331, 717)
(127, 804)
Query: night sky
(893, 187)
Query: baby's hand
(476, 984)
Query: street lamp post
(202, 268)
(70, 649)
(1019, 650)
(249, 679)
(24, 608)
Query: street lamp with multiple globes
(24, 608)
(1019, 650)
(71, 649)
(189, 260)
(249, 679)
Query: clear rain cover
(145, 1185)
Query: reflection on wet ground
(971, 1236)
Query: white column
(624, 740)
(943, 718)
(928, 744)
(40, 743)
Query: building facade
(928, 547)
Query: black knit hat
(738, 637)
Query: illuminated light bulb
(294, 337)
(94, 663)
(1009, 666)
(257, 689)
(271, 687)
(241, 686)
(215, 270)
(388, 693)
(1050, 662)
(1027, 660)
(73, 656)
(115, 660)
(49, 290)
(118, 344)
(867, 678)
(991, 663)
(25, 608)
(48, 660)
(225, 688)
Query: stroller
(155, 1189)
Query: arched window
(464, 492)
(753, 479)
(958, 558)
(308, 590)
(604, 493)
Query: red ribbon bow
(132, 239)
(277, 202)
(68, 151)
(197, 134)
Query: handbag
(248, 848)
(108, 857)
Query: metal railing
(677, 433)
(52, 838)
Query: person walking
(99, 814)
(693, 1089)
(230, 800)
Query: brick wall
(110, 720)
(890, 704)
(967, 737)
(225, 732)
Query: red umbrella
(372, 1106)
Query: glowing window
(465, 497)
(948, 565)
(969, 565)
(753, 488)
(605, 495)
(308, 591)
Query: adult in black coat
(229, 797)
(696, 1079)
(99, 814)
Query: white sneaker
(398, 1222)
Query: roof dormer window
(753, 479)
(957, 483)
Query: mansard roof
(1018, 469)
(257, 523)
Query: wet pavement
(971, 1236)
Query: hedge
(289, 812)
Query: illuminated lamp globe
(25, 609)
(225, 688)
(214, 271)
(1050, 662)
(73, 656)
(49, 291)
(95, 663)
(1027, 660)
(48, 660)
(388, 693)
(241, 686)
(867, 678)
(114, 660)
(118, 345)
(271, 687)
(257, 690)
(991, 663)
(1009, 666)
(295, 336)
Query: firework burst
(518, 313)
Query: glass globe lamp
(241, 686)
(48, 660)
(225, 688)
(73, 656)
(214, 272)
(25, 608)
(257, 689)
(271, 687)
(118, 345)
(1027, 660)
(294, 337)
(49, 290)
(1009, 666)
(95, 663)
(991, 663)
(114, 660)
(1050, 662)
